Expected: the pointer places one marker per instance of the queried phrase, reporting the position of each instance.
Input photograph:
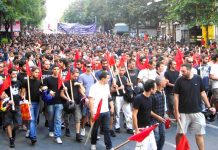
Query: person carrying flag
(100, 90)
(12, 118)
(141, 114)
(35, 85)
(188, 95)
(55, 107)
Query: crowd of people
(67, 76)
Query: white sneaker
(51, 134)
(83, 132)
(27, 133)
(93, 147)
(98, 137)
(58, 140)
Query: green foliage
(29, 12)
(4, 41)
(114, 11)
(192, 12)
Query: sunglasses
(88, 66)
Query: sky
(54, 11)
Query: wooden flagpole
(127, 71)
(12, 98)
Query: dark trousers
(159, 134)
(104, 120)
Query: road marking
(170, 144)
(212, 126)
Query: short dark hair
(11, 70)
(34, 68)
(54, 66)
(158, 64)
(148, 85)
(65, 62)
(103, 74)
(187, 65)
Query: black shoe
(33, 141)
(67, 132)
(46, 123)
(130, 131)
(113, 134)
(124, 126)
(14, 134)
(78, 137)
(117, 130)
(11, 143)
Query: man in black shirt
(142, 106)
(13, 117)
(35, 99)
(75, 91)
(189, 92)
(171, 75)
(22, 74)
(55, 107)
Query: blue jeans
(159, 134)
(54, 118)
(34, 109)
(104, 119)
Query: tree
(193, 12)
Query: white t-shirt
(98, 92)
(146, 74)
(214, 71)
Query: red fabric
(28, 72)
(10, 64)
(141, 66)
(77, 57)
(143, 134)
(179, 59)
(6, 84)
(25, 110)
(98, 111)
(60, 81)
(112, 61)
(122, 61)
(183, 144)
(67, 78)
(40, 70)
(146, 65)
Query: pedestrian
(100, 90)
(141, 114)
(188, 95)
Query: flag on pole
(67, 78)
(40, 70)
(183, 144)
(112, 61)
(143, 134)
(28, 71)
(6, 84)
(76, 58)
(179, 59)
(97, 114)
(60, 80)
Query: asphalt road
(69, 143)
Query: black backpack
(130, 93)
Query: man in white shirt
(214, 79)
(98, 91)
(149, 73)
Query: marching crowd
(67, 76)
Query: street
(69, 143)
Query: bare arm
(135, 121)
(176, 106)
(205, 99)
(156, 116)
(62, 94)
(91, 103)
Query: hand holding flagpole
(94, 119)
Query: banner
(16, 27)
(76, 28)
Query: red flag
(10, 64)
(6, 84)
(28, 72)
(179, 59)
(67, 78)
(143, 134)
(183, 144)
(77, 57)
(98, 111)
(146, 65)
(112, 61)
(122, 61)
(60, 81)
(40, 70)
